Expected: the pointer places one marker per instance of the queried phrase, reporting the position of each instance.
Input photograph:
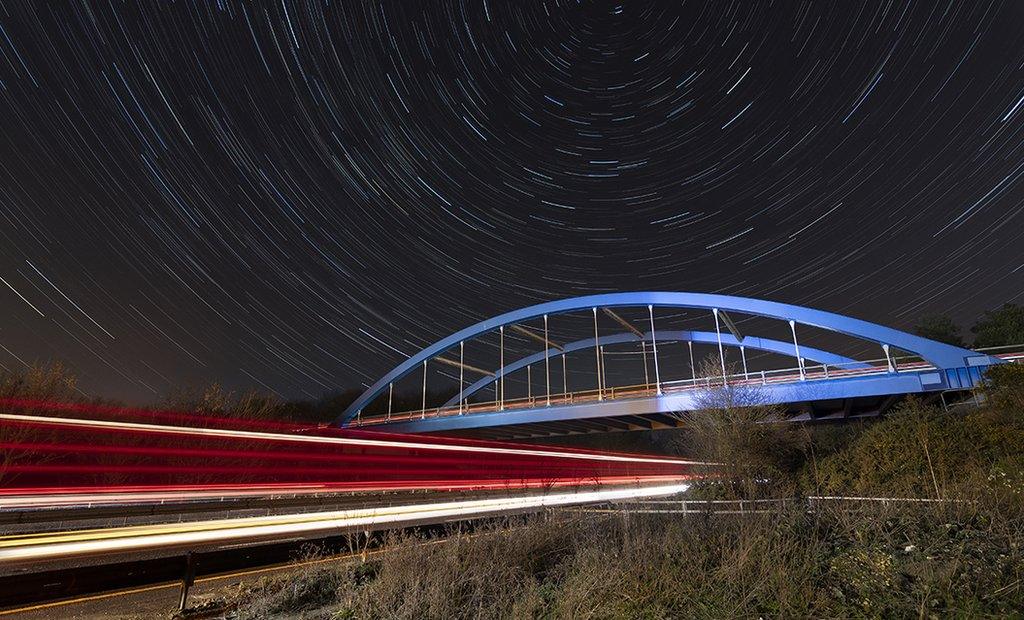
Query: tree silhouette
(941, 328)
(1001, 327)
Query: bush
(1003, 388)
(918, 451)
(960, 559)
(754, 454)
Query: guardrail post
(188, 579)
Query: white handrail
(767, 377)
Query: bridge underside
(811, 401)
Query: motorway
(48, 565)
(61, 546)
(97, 498)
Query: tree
(939, 327)
(1001, 327)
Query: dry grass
(956, 559)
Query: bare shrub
(52, 382)
(753, 451)
(214, 400)
(47, 382)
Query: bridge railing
(644, 390)
(815, 372)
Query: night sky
(293, 196)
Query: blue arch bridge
(815, 384)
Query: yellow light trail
(68, 545)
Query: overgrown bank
(960, 556)
(959, 559)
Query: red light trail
(105, 450)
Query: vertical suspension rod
(796, 347)
(721, 351)
(597, 355)
(654, 344)
(501, 368)
(693, 368)
(547, 365)
(423, 406)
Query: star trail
(292, 196)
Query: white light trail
(64, 545)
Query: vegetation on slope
(960, 556)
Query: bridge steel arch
(940, 355)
